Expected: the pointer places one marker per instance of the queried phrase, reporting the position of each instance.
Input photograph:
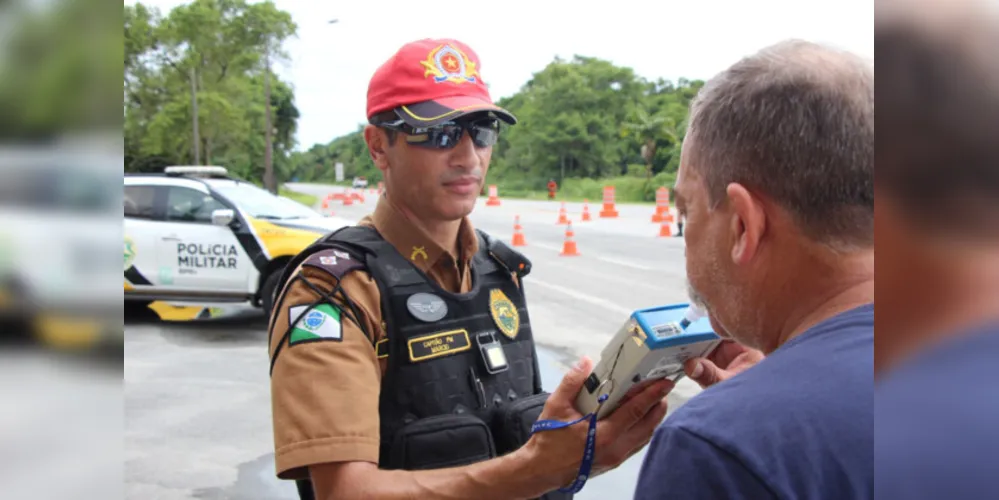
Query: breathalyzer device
(652, 344)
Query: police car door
(141, 236)
(195, 254)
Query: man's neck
(442, 232)
(833, 289)
(951, 299)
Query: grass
(305, 199)
(560, 196)
(627, 189)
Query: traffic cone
(326, 202)
(563, 218)
(662, 205)
(493, 200)
(665, 228)
(348, 199)
(586, 210)
(569, 247)
(610, 208)
(518, 235)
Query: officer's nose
(465, 155)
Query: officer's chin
(456, 209)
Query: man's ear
(378, 145)
(749, 222)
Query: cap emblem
(448, 64)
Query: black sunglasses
(484, 133)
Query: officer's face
(435, 184)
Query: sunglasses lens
(448, 136)
(484, 136)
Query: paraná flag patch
(321, 323)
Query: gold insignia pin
(421, 251)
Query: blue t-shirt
(937, 422)
(798, 425)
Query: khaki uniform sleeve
(324, 394)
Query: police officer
(402, 357)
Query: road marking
(625, 263)
(597, 301)
(604, 277)
(554, 248)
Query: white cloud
(332, 63)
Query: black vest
(443, 403)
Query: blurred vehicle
(195, 234)
(360, 182)
(57, 241)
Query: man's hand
(619, 435)
(727, 360)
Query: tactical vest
(462, 382)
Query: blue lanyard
(591, 437)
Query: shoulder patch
(314, 324)
(334, 262)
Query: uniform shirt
(936, 419)
(324, 395)
(798, 425)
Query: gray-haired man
(776, 183)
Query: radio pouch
(515, 421)
(441, 441)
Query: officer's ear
(379, 142)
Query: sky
(330, 64)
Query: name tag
(438, 345)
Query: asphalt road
(197, 400)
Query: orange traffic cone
(586, 210)
(563, 218)
(493, 200)
(665, 228)
(569, 247)
(610, 209)
(518, 235)
(348, 199)
(326, 202)
(662, 204)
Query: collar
(413, 243)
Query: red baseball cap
(431, 81)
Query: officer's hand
(726, 361)
(619, 435)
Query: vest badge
(504, 313)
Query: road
(197, 400)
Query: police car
(195, 234)
(59, 206)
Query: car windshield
(262, 205)
(49, 180)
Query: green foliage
(222, 46)
(582, 122)
(59, 61)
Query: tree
(196, 86)
(582, 118)
(651, 130)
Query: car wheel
(138, 310)
(269, 291)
